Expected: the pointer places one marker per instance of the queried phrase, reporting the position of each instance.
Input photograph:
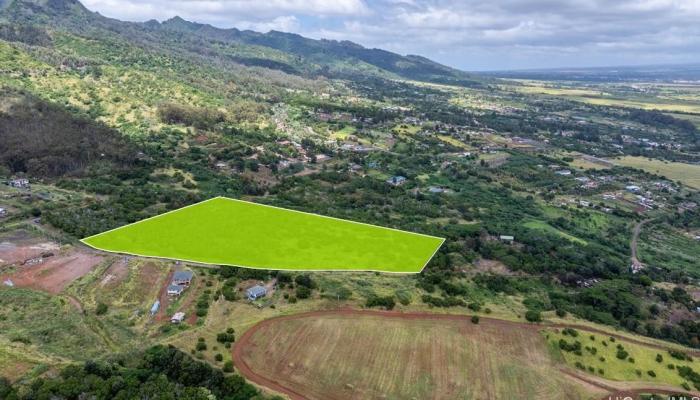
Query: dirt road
(621, 389)
(633, 243)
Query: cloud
(470, 34)
(287, 23)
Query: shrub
(475, 319)
(651, 373)
(303, 292)
(219, 357)
(228, 366)
(381, 301)
(570, 332)
(679, 355)
(533, 316)
(225, 337)
(201, 346)
(659, 358)
(101, 309)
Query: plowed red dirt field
(360, 354)
(368, 355)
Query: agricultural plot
(231, 232)
(599, 356)
(329, 356)
(688, 174)
(661, 245)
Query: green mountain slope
(286, 52)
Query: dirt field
(330, 356)
(20, 245)
(52, 274)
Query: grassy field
(329, 357)
(49, 324)
(605, 363)
(607, 97)
(688, 174)
(549, 229)
(232, 232)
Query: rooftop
(183, 276)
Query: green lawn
(232, 232)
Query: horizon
(509, 35)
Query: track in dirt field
(273, 384)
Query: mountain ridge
(326, 57)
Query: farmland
(230, 232)
(328, 277)
(689, 174)
(407, 358)
(599, 356)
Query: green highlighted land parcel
(224, 231)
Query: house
(396, 180)
(256, 292)
(182, 278)
(175, 290)
(3, 212)
(507, 238)
(178, 317)
(155, 307)
(563, 172)
(20, 183)
(436, 189)
(632, 188)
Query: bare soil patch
(351, 354)
(53, 274)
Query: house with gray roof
(183, 278)
(256, 292)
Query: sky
(471, 35)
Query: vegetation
(537, 186)
(157, 371)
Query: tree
(228, 366)
(533, 316)
(475, 319)
(303, 292)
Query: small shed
(507, 238)
(256, 292)
(155, 307)
(182, 278)
(178, 317)
(175, 290)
